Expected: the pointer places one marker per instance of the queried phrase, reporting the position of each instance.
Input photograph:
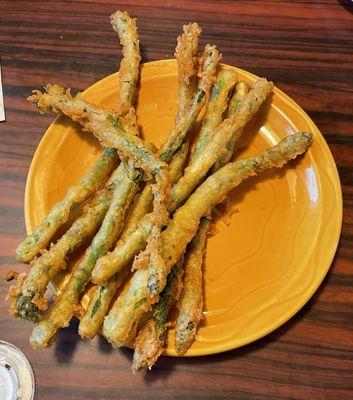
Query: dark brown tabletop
(306, 48)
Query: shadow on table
(347, 4)
(166, 365)
(66, 342)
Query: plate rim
(220, 348)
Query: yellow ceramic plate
(267, 263)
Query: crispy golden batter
(191, 301)
(102, 122)
(126, 28)
(60, 313)
(60, 212)
(209, 62)
(226, 80)
(14, 292)
(214, 148)
(92, 320)
(150, 341)
(146, 284)
(186, 54)
(235, 105)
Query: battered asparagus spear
(54, 101)
(235, 104)
(131, 245)
(186, 54)
(230, 127)
(225, 82)
(150, 341)
(102, 295)
(98, 307)
(60, 313)
(191, 301)
(60, 212)
(126, 28)
(44, 268)
(208, 63)
(146, 284)
(126, 249)
(102, 122)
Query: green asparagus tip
(27, 309)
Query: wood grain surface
(306, 48)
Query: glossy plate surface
(266, 264)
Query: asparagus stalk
(126, 249)
(146, 284)
(45, 268)
(199, 166)
(235, 105)
(60, 212)
(209, 63)
(150, 341)
(225, 82)
(126, 28)
(60, 313)
(186, 54)
(102, 296)
(191, 300)
(191, 303)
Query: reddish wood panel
(306, 48)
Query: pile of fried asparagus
(147, 217)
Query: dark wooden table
(306, 48)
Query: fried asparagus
(226, 80)
(191, 300)
(146, 284)
(44, 268)
(43, 334)
(186, 54)
(126, 249)
(191, 303)
(126, 28)
(225, 132)
(60, 212)
(209, 62)
(102, 295)
(235, 105)
(150, 341)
